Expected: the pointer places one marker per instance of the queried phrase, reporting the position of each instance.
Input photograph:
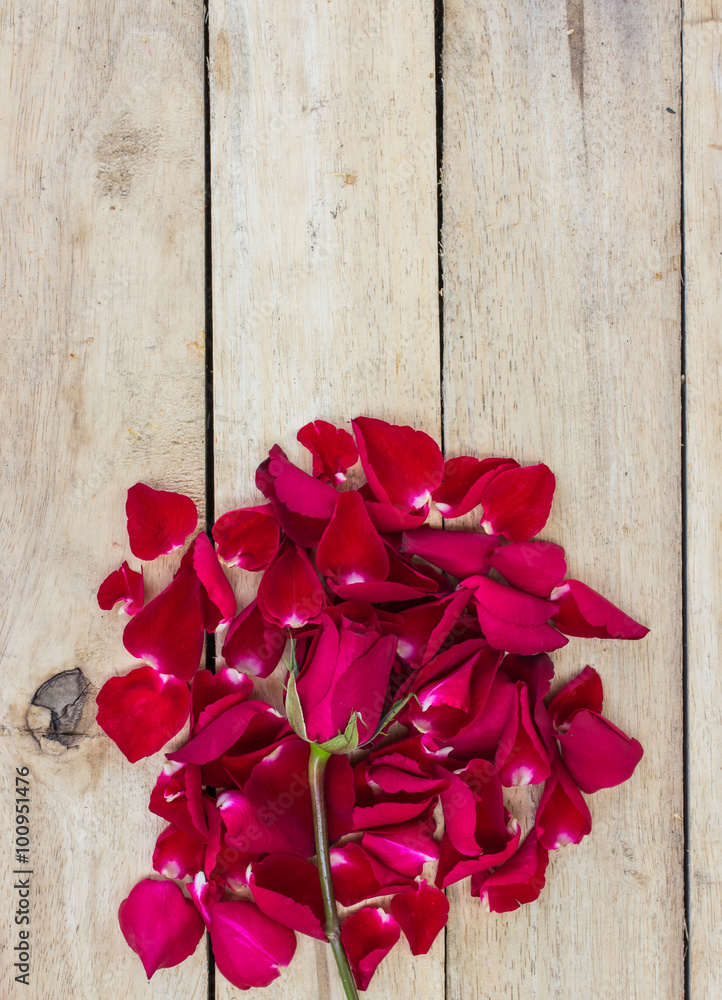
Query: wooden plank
(562, 344)
(101, 159)
(702, 46)
(325, 266)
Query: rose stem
(316, 772)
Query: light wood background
(579, 325)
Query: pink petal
(521, 758)
(402, 465)
(350, 550)
(290, 592)
(517, 502)
(252, 645)
(421, 915)
(515, 621)
(247, 537)
(141, 711)
(596, 753)
(160, 924)
(158, 520)
(250, 948)
(562, 815)
(584, 612)
(333, 449)
(123, 586)
(536, 567)
(177, 855)
(519, 880)
(368, 935)
(584, 691)
(288, 889)
(405, 847)
(205, 895)
(208, 688)
(464, 481)
(218, 598)
(303, 505)
(168, 632)
(460, 553)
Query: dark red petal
(247, 537)
(178, 798)
(252, 645)
(123, 585)
(583, 691)
(464, 481)
(521, 758)
(141, 711)
(461, 553)
(168, 632)
(536, 567)
(596, 753)
(454, 866)
(515, 621)
(519, 880)
(208, 688)
(421, 915)
(584, 612)
(405, 583)
(517, 502)
(358, 875)
(402, 465)
(290, 592)
(368, 935)
(249, 948)
(427, 626)
(474, 809)
(351, 550)
(278, 789)
(317, 499)
(219, 599)
(158, 520)
(333, 449)
(562, 816)
(205, 895)
(288, 889)
(225, 731)
(177, 855)
(160, 924)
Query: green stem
(316, 772)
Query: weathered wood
(703, 284)
(325, 266)
(562, 344)
(101, 159)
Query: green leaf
(391, 715)
(294, 711)
(345, 742)
(292, 665)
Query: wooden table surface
(556, 167)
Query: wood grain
(325, 266)
(703, 285)
(101, 159)
(562, 344)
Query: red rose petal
(521, 758)
(249, 948)
(123, 586)
(596, 753)
(160, 924)
(368, 935)
(252, 645)
(177, 855)
(219, 601)
(421, 915)
(536, 567)
(460, 553)
(402, 465)
(562, 815)
(247, 537)
(583, 691)
(464, 481)
(583, 612)
(141, 711)
(351, 550)
(290, 592)
(158, 520)
(517, 502)
(208, 688)
(168, 632)
(515, 621)
(519, 880)
(288, 889)
(333, 449)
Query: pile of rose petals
(443, 634)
